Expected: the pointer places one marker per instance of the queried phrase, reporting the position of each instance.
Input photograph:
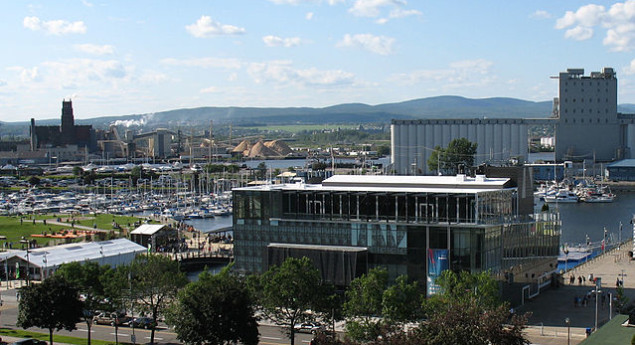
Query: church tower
(68, 122)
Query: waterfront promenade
(551, 308)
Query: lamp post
(568, 322)
(25, 241)
(45, 261)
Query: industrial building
(68, 133)
(585, 118)
(414, 225)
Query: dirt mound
(261, 150)
(244, 145)
(279, 146)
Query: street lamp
(25, 241)
(45, 261)
(568, 322)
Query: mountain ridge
(443, 107)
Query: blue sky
(135, 57)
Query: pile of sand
(275, 148)
(279, 146)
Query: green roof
(612, 333)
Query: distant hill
(432, 107)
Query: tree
(460, 152)
(155, 281)
(468, 311)
(400, 302)
(87, 279)
(363, 304)
(54, 305)
(217, 309)
(434, 161)
(289, 291)
(34, 180)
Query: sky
(143, 56)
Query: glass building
(414, 225)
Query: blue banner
(437, 263)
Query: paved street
(552, 307)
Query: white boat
(563, 197)
(599, 198)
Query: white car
(308, 327)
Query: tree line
(225, 308)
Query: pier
(551, 307)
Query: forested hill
(433, 107)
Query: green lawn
(14, 229)
(19, 333)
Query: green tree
(460, 152)
(468, 311)
(34, 180)
(261, 171)
(364, 303)
(289, 291)
(217, 309)
(54, 305)
(401, 301)
(155, 281)
(434, 161)
(87, 279)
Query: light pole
(45, 261)
(598, 283)
(568, 322)
(25, 241)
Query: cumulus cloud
(275, 41)
(464, 73)
(95, 49)
(207, 62)
(299, 2)
(630, 69)
(309, 16)
(579, 33)
(282, 72)
(375, 8)
(54, 27)
(206, 27)
(540, 14)
(618, 21)
(211, 89)
(27, 74)
(381, 45)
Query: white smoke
(132, 123)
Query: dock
(550, 309)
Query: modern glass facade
(481, 229)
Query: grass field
(15, 229)
(300, 128)
(18, 333)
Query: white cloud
(206, 27)
(540, 14)
(377, 44)
(309, 16)
(372, 8)
(3, 82)
(275, 41)
(465, 73)
(95, 49)
(87, 4)
(618, 21)
(211, 89)
(27, 75)
(54, 27)
(208, 62)
(282, 72)
(579, 33)
(629, 70)
(300, 2)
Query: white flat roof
(148, 229)
(388, 183)
(84, 251)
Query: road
(269, 335)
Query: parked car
(142, 322)
(308, 327)
(29, 341)
(110, 318)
